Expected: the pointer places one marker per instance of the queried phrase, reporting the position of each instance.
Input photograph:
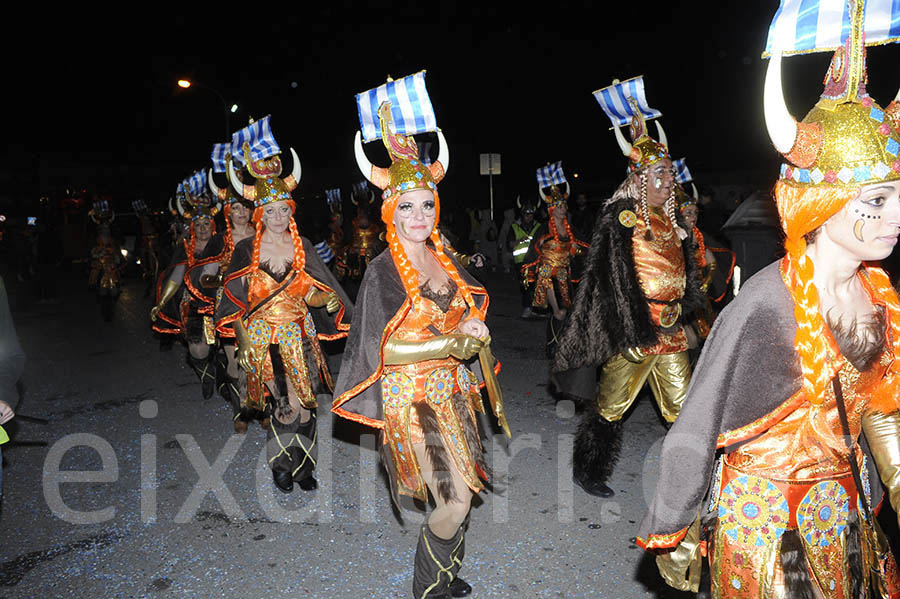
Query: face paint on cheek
(857, 229)
(658, 183)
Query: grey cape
(233, 304)
(746, 380)
(380, 308)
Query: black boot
(206, 372)
(595, 453)
(436, 563)
(306, 455)
(293, 451)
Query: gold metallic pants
(620, 382)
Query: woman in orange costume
(276, 289)
(407, 365)
(775, 466)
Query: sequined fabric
(554, 266)
(659, 264)
(442, 384)
(284, 321)
(795, 476)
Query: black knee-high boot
(206, 372)
(436, 563)
(292, 450)
(595, 453)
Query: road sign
(490, 164)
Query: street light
(187, 83)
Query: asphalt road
(137, 486)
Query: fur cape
(610, 313)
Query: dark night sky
(516, 82)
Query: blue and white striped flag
(614, 101)
(334, 196)
(197, 183)
(552, 174)
(324, 251)
(259, 135)
(824, 25)
(410, 107)
(682, 174)
(360, 189)
(218, 157)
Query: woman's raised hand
(474, 327)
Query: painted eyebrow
(882, 188)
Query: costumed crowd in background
(782, 402)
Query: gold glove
(883, 435)
(458, 345)
(634, 354)
(316, 298)
(243, 354)
(168, 291)
(681, 567)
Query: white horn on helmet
(781, 125)
(623, 144)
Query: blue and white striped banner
(218, 157)
(552, 174)
(614, 101)
(824, 25)
(360, 189)
(682, 174)
(197, 183)
(259, 135)
(410, 107)
(334, 196)
(324, 251)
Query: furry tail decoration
(797, 580)
(598, 443)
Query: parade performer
(713, 281)
(148, 246)
(365, 240)
(277, 303)
(184, 305)
(231, 384)
(107, 261)
(408, 367)
(639, 280)
(548, 266)
(518, 240)
(769, 468)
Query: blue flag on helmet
(682, 174)
(258, 135)
(196, 183)
(219, 152)
(824, 25)
(333, 196)
(411, 107)
(614, 101)
(552, 174)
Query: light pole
(187, 84)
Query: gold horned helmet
(228, 195)
(555, 197)
(270, 186)
(643, 149)
(191, 208)
(846, 140)
(406, 172)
